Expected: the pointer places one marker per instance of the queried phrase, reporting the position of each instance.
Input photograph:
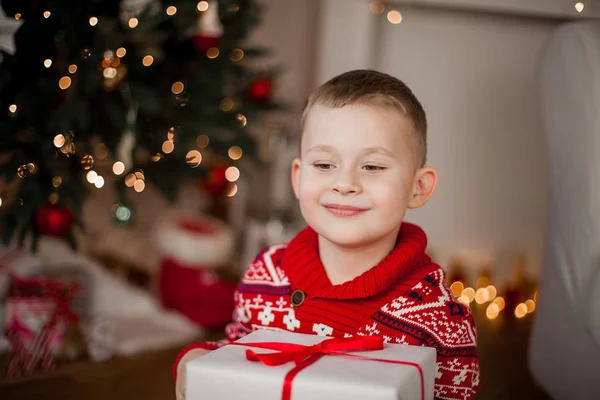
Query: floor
(502, 353)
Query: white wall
(537, 8)
(475, 74)
(476, 77)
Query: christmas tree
(163, 89)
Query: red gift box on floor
(37, 315)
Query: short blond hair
(373, 88)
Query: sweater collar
(303, 267)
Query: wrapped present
(38, 316)
(272, 365)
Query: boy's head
(375, 89)
(362, 158)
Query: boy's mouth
(342, 210)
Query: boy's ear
(296, 176)
(424, 185)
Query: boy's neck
(342, 264)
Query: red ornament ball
(54, 220)
(203, 42)
(216, 182)
(261, 90)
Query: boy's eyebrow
(380, 150)
(321, 147)
(366, 150)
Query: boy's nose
(346, 184)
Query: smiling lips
(340, 210)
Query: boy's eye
(373, 168)
(323, 166)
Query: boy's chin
(346, 238)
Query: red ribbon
(303, 356)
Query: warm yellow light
(203, 6)
(91, 176)
(457, 288)
(579, 6)
(213, 52)
(232, 174)
(130, 180)
(236, 55)
(115, 62)
(121, 52)
(232, 190)
(530, 306)
(168, 147)
(56, 181)
(133, 22)
(535, 294)
(59, 140)
(64, 82)
(202, 141)
(87, 162)
(492, 311)
(147, 61)
(480, 296)
(491, 292)
(464, 300)
(109, 73)
(118, 168)
(171, 134)
(139, 175)
(394, 17)
(376, 7)
(193, 158)
(500, 302)
(171, 10)
(469, 292)
(242, 118)
(99, 182)
(177, 87)
(17, 16)
(139, 186)
(226, 104)
(47, 63)
(521, 310)
(12, 108)
(235, 152)
(93, 21)
(47, 14)
(72, 68)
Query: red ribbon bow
(303, 356)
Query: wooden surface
(502, 354)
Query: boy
(357, 269)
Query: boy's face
(358, 173)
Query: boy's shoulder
(432, 314)
(266, 267)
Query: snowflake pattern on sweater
(417, 308)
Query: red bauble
(216, 183)
(54, 220)
(261, 90)
(203, 42)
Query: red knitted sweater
(404, 298)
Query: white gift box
(227, 374)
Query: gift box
(273, 365)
